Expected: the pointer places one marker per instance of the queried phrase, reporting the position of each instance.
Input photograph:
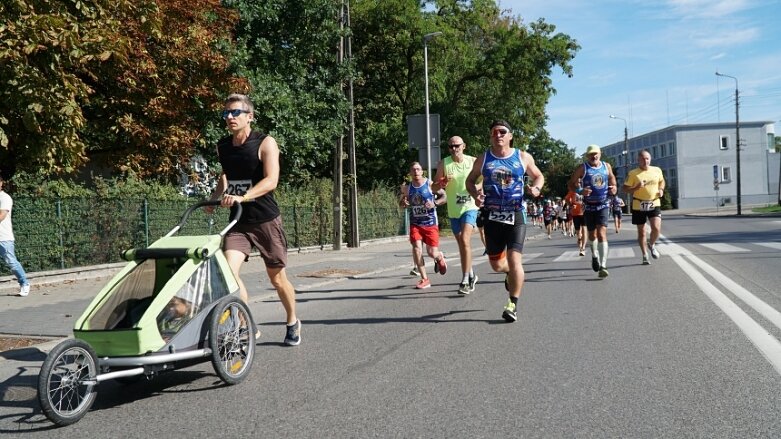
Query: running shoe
(24, 290)
(654, 252)
(603, 272)
(440, 266)
(463, 288)
(582, 253)
(423, 283)
(594, 264)
(293, 335)
(414, 272)
(509, 314)
(645, 260)
(472, 283)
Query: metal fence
(77, 232)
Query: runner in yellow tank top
(461, 208)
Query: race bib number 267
(238, 187)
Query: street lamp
(625, 153)
(626, 145)
(737, 135)
(426, 39)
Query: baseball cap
(593, 149)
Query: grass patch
(770, 208)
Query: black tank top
(244, 169)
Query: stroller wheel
(66, 384)
(231, 339)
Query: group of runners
(488, 191)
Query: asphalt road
(685, 347)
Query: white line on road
(725, 248)
(775, 245)
(768, 345)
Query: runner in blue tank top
(596, 182)
(424, 228)
(503, 168)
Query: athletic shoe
(582, 253)
(293, 336)
(654, 252)
(645, 260)
(472, 283)
(423, 283)
(414, 272)
(463, 288)
(509, 314)
(594, 264)
(549, 237)
(603, 272)
(440, 266)
(24, 290)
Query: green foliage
(667, 201)
(556, 161)
(134, 86)
(286, 50)
(48, 50)
(128, 84)
(484, 66)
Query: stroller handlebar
(201, 204)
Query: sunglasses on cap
(235, 113)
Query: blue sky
(653, 63)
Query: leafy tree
(126, 83)
(556, 161)
(149, 109)
(287, 52)
(47, 50)
(484, 66)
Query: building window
(673, 173)
(671, 146)
(725, 174)
(653, 152)
(663, 152)
(723, 142)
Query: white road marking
(775, 245)
(725, 248)
(767, 345)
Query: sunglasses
(500, 131)
(235, 113)
(455, 146)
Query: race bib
(501, 217)
(238, 187)
(647, 206)
(463, 198)
(419, 211)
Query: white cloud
(707, 39)
(697, 9)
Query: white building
(692, 155)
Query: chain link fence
(77, 232)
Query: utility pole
(737, 136)
(338, 152)
(354, 240)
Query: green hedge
(94, 226)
